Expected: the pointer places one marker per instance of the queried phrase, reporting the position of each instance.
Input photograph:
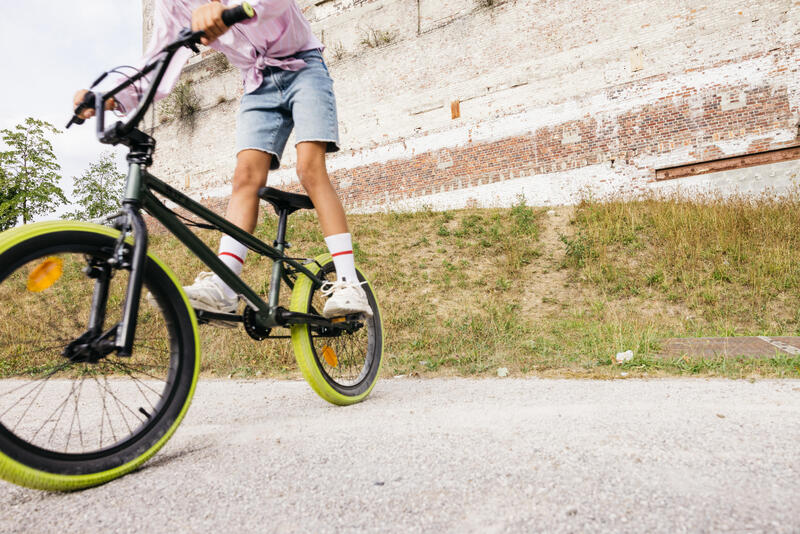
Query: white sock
(232, 253)
(341, 249)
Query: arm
(168, 19)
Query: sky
(52, 49)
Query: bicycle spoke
(63, 407)
(35, 385)
(30, 341)
(38, 390)
(104, 415)
(139, 383)
(116, 402)
(74, 413)
(119, 402)
(129, 368)
(38, 351)
(77, 399)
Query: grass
(730, 264)
(466, 292)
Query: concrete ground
(526, 455)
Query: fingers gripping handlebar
(237, 14)
(97, 100)
(86, 103)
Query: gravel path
(457, 456)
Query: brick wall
(557, 97)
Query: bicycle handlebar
(237, 14)
(97, 100)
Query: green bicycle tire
(29, 464)
(314, 370)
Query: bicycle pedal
(353, 317)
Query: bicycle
(96, 384)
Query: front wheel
(341, 368)
(71, 418)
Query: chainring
(251, 326)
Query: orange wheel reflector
(45, 274)
(338, 320)
(330, 356)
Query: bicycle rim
(341, 369)
(67, 424)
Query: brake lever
(192, 39)
(98, 80)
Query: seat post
(280, 240)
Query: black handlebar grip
(86, 103)
(238, 14)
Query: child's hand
(111, 104)
(208, 19)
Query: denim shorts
(302, 100)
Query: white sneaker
(346, 298)
(207, 294)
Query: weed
(375, 38)
(218, 63)
(338, 51)
(182, 103)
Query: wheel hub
(85, 349)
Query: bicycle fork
(126, 329)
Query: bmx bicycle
(94, 383)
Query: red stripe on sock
(234, 256)
(341, 253)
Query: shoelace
(330, 287)
(204, 275)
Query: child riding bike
(287, 85)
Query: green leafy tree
(99, 190)
(30, 173)
(8, 212)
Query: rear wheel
(341, 368)
(71, 419)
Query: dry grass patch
(732, 265)
(449, 285)
(550, 293)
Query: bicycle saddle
(282, 200)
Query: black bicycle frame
(140, 193)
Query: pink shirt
(278, 30)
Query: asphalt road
(457, 456)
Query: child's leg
(314, 178)
(250, 175)
(252, 167)
(209, 292)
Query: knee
(248, 178)
(312, 174)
